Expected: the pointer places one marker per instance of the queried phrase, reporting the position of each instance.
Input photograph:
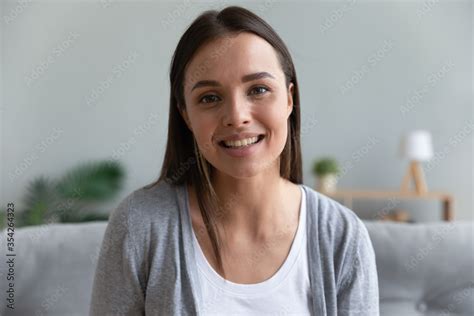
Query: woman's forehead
(232, 56)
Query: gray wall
(85, 80)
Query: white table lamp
(417, 147)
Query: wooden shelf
(348, 195)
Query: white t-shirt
(287, 292)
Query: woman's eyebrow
(246, 78)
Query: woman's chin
(247, 170)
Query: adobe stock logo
(50, 59)
(372, 61)
(16, 11)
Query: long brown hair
(183, 162)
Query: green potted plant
(74, 197)
(326, 171)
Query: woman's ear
(290, 99)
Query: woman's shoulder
(333, 220)
(340, 234)
(149, 203)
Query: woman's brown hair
(183, 162)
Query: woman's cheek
(204, 133)
(275, 117)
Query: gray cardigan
(146, 264)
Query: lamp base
(414, 171)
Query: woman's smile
(242, 148)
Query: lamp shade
(417, 145)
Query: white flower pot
(327, 183)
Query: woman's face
(234, 89)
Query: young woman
(229, 228)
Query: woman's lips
(243, 151)
(260, 137)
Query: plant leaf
(40, 200)
(92, 181)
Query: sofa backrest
(424, 268)
(54, 268)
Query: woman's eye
(209, 98)
(258, 90)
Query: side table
(349, 195)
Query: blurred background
(87, 81)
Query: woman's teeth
(242, 142)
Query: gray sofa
(424, 269)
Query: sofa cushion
(424, 269)
(54, 268)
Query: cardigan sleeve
(358, 293)
(119, 286)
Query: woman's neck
(256, 207)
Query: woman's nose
(236, 113)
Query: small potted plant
(326, 170)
